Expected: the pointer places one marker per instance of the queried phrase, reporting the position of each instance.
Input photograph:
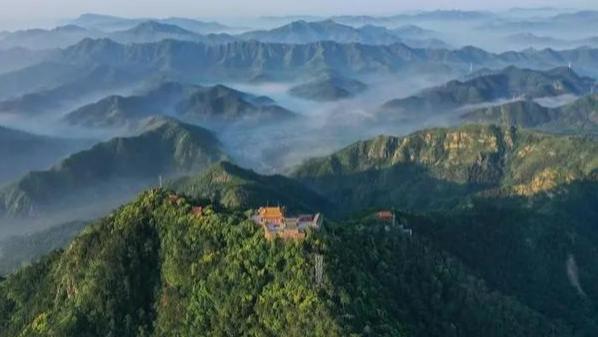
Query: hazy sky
(14, 12)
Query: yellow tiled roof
(271, 212)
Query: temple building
(276, 223)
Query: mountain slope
(185, 61)
(443, 168)
(18, 251)
(36, 39)
(517, 207)
(578, 116)
(112, 170)
(237, 188)
(22, 152)
(328, 88)
(155, 31)
(217, 103)
(223, 103)
(309, 32)
(505, 84)
(152, 268)
(82, 84)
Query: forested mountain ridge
(112, 168)
(154, 268)
(237, 188)
(516, 205)
(453, 163)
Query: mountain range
(475, 236)
(443, 168)
(81, 84)
(501, 199)
(530, 40)
(301, 32)
(111, 171)
(576, 117)
(237, 188)
(246, 60)
(153, 31)
(511, 82)
(143, 32)
(207, 104)
(22, 152)
(110, 23)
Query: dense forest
(153, 268)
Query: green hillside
(154, 269)
(517, 207)
(114, 168)
(443, 168)
(237, 188)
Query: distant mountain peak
(151, 26)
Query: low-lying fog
(320, 129)
(323, 127)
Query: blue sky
(21, 11)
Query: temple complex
(277, 223)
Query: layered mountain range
(509, 83)
(579, 116)
(207, 104)
(454, 178)
(138, 154)
(22, 152)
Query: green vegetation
(237, 188)
(120, 166)
(517, 207)
(154, 269)
(442, 168)
(504, 245)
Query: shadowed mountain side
(410, 186)
(22, 152)
(539, 250)
(85, 83)
(237, 188)
(450, 165)
(581, 116)
(112, 169)
(508, 83)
